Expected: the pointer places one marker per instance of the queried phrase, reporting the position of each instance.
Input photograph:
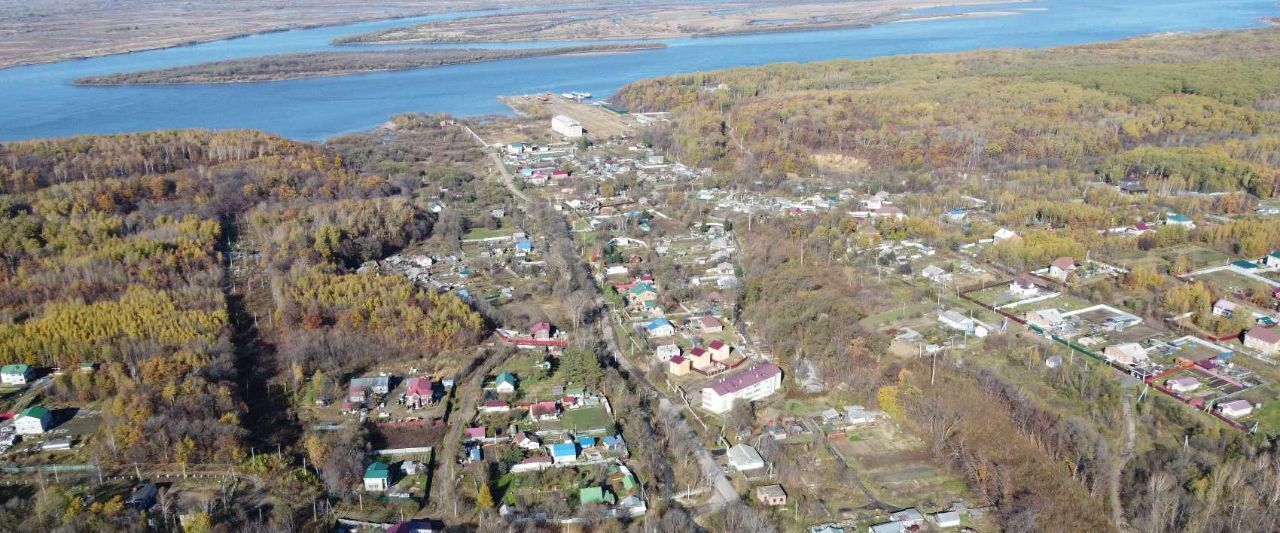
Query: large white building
(749, 385)
(566, 126)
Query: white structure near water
(566, 126)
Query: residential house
(910, 517)
(935, 274)
(1225, 308)
(494, 406)
(1235, 408)
(1045, 318)
(143, 496)
(377, 477)
(744, 458)
(888, 527)
(564, 453)
(857, 415)
(953, 319)
(473, 434)
(1272, 260)
(1131, 187)
(616, 270)
(506, 383)
(1265, 340)
(947, 519)
(1182, 384)
(1062, 268)
(1003, 234)
(1175, 219)
(1129, 353)
(642, 292)
(710, 324)
(889, 211)
(595, 495)
(544, 411)
(660, 327)
(419, 392)
(34, 420)
(526, 441)
(1023, 287)
(679, 366)
(541, 331)
(15, 374)
(771, 495)
(666, 351)
(719, 351)
(361, 388)
(826, 528)
(532, 464)
(753, 384)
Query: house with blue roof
(524, 246)
(587, 442)
(563, 453)
(660, 327)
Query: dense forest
(198, 272)
(320, 64)
(1177, 113)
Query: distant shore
(282, 67)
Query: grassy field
(586, 419)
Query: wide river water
(40, 100)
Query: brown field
(52, 30)
(659, 21)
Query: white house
(15, 374)
(660, 327)
(955, 320)
(751, 384)
(1061, 268)
(947, 519)
(1225, 308)
(566, 126)
(1023, 287)
(744, 458)
(377, 477)
(1272, 260)
(1235, 408)
(935, 274)
(1003, 234)
(1129, 353)
(34, 420)
(666, 351)
(1182, 384)
(1045, 318)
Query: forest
(280, 67)
(196, 271)
(1180, 113)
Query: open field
(53, 30)
(657, 21)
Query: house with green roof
(641, 292)
(34, 420)
(506, 382)
(1177, 219)
(596, 495)
(377, 477)
(15, 374)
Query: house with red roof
(1265, 340)
(419, 392)
(710, 324)
(752, 384)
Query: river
(40, 100)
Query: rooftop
(746, 378)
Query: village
(537, 439)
